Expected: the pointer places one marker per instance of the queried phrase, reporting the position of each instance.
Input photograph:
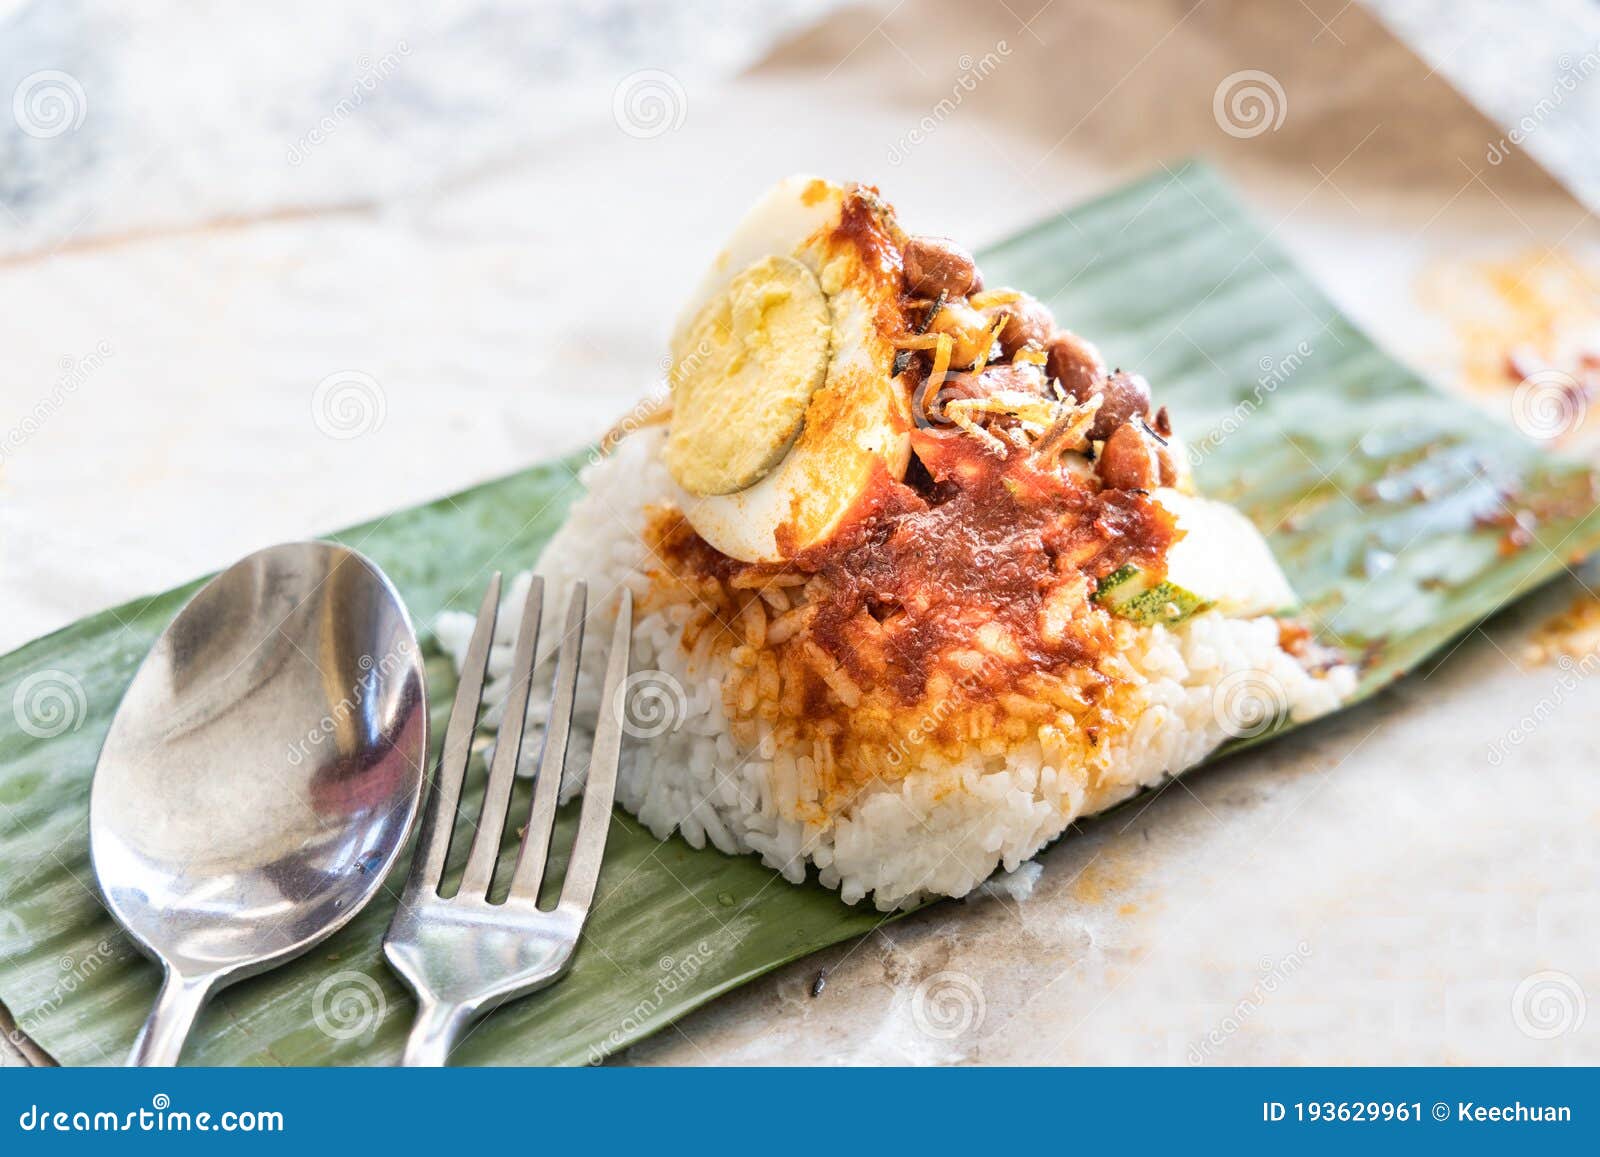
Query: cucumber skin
(1164, 603)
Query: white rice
(944, 827)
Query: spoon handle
(161, 1039)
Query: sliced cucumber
(1135, 594)
(1223, 558)
(1221, 562)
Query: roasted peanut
(1128, 460)
(1076, 364)
(936, 265)
(1169, 466)
(1026, 320)
(1127, 396)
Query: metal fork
(463, 956)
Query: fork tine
(439, 819)
(535, 849)
(507, 749)
(594, 822)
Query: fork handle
(434, 1033)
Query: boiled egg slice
(785, 413)
(1223, 558)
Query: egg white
(1223, 558)
(858, 423)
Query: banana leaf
(1387, 502)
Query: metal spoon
(261, 775)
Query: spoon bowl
(261, 775)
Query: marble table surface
(432, 219)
